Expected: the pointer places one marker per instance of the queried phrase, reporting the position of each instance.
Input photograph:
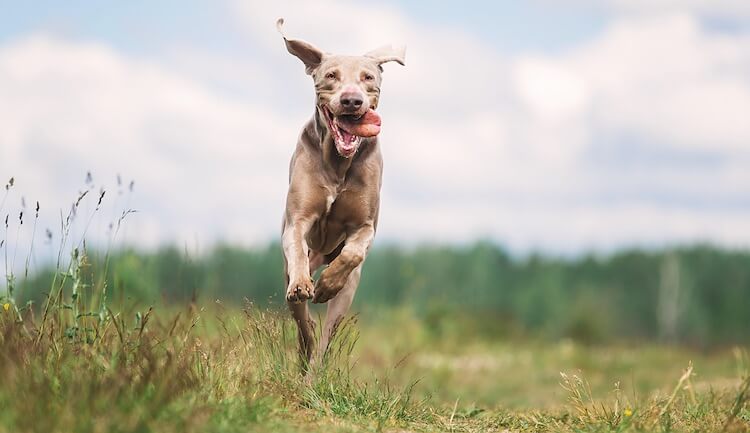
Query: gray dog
(334, 186)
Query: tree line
(698, 294)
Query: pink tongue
(366, 126)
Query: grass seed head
(101, 197)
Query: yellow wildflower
(6, 306)
(628, 412)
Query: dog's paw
(300, 291)
(331, 281)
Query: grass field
(229, 369)
(83, 361)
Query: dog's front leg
(335, 276)
(300, 286)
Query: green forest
(697, 295)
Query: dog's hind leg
(337, 308)
(305, 331)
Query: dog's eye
(369, 77)
(331, 76)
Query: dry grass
(195, 370)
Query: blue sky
(563, 126)
(143, 26)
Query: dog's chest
(337, 198)
(330, 198)
(329, 229)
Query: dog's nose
(351, 100)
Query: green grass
(82, 362)
(226, 370)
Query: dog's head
(347, 89)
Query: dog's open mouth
(348, 130)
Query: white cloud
(551, 90)
(336, 26)
(713, 8)
(724, 10)
(659, 78)
(666, 78)
(198, 159)
(567, 228)
(609, 143)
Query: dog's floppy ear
(387, 53)
(310, 55)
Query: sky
(556, 126)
